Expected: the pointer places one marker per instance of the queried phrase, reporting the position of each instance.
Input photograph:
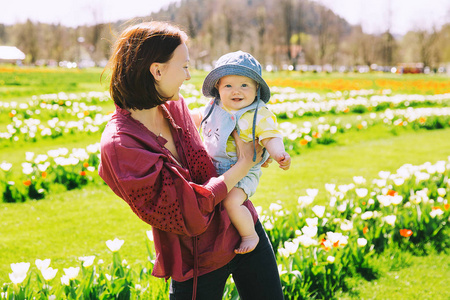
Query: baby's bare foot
(248, 244)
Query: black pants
(255, 275)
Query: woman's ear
(155, 70)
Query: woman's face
(174, 73)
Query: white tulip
(390, 219)
(114, 245)
(319, 210)
(367, 215)
(87, 260)
(361, 242)
(49, 273)
(72, 272)
(5, 166)
(42, 264)
(361, 193)
(150, 234)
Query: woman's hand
(245, 161)
(245, 151)
(267, 163)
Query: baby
(240, 94)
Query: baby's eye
(244, 85)
(228, 85)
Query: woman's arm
(162, 193)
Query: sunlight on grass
(86, 218)
(68, 224)
(405, 283)
(339, 163)
(83, 219)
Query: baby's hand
(284, 160)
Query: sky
(375, 16)
(76, 12)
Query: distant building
(9, 54)
(410, 68)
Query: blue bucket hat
(242, 64)
(236, 63)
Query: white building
(11, 54)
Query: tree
(274, 31)
(59, 39)
(350, 52)
(27, 40)
(427, 42)
(388, 40)
(287, 17)
(368, 49)
(388, 48)
(261, 16)
(3, 34)
(326, 34)
(443, 43)
(309, 48)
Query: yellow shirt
(266, 127)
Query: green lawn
(423, 278)
(65, 226)
(68, 225)
(356, 154)
(20, 83)
(77, 223)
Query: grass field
(67, 225)
(23, 82)
(18, 83)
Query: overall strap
(254, 124)
(213, 103)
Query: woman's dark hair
(138, 47)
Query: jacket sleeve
(157, 190)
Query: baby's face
(236, 92)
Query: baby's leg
(242, 219)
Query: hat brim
(211, 79)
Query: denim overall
(216, 127)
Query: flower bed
(318, 248)
(57, 170)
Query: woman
(153, 158)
